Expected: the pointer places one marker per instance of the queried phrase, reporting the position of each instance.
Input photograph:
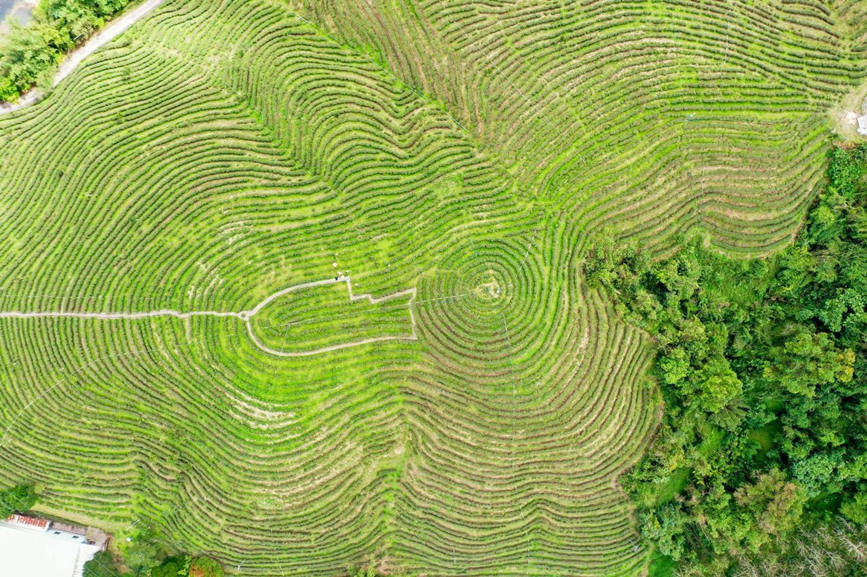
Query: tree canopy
(30, 53)
(762, 369)
(17, 499)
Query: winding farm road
(245, 316)
(109, 32)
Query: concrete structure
(862, 125)
(33, 547)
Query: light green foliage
(29, 53)
(24, 53)
(718, 385)
(205, 567)
(665, 529)
(222, 151)
(807, 361)
(856, 508)
(674, 367)
(774, 503)
(143, 554)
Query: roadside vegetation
(761, 461)
(151, 564)
(29, 54)
(148, 561)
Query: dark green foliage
(142, 556)
(102, 565)
(762, 368)
(17, 499)
(27, 53)
(172, 567)
(146, 556)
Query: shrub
(102, 565)
(205, 567)
(17, 499)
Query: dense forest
(760, 465)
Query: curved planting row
(589, 104)
(527, 409)
(453, 154)
(224, 152)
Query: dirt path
(245, 316)
(111, 31)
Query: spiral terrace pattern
(458, 156)
(648, 117)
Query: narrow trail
(109, 32)
(246, 315)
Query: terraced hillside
(222, 184)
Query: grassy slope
(222, 151)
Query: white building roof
(862, 125)
(26, 552)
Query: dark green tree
(763, 371)
(17, 499)
(102, 565)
